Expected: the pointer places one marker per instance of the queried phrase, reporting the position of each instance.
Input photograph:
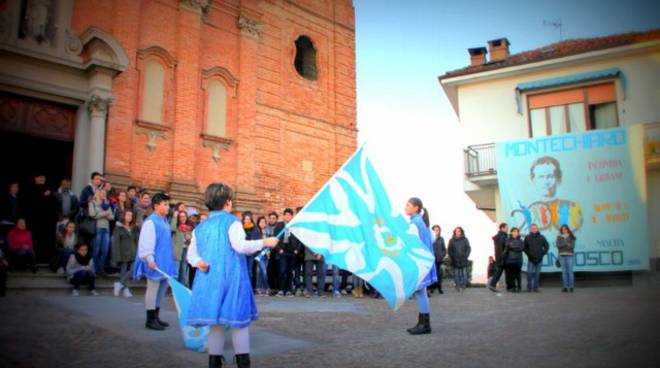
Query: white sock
(240, 337)
(217, 340)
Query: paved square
(596, 327)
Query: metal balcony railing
(480, 160)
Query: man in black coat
(536, 247)
(10, 209)
(499, 242)
(440, 252)
(41, 214)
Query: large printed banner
(594, 182)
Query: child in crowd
(80, 269)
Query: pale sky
(413, 135)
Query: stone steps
(46, 282)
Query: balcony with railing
(480, 161)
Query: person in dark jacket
(10, 209)
(440, 252)
(536, 246)
(566, 249)
(251, 233)
(67, 202)
(459, 252)
(287, 251)
(41, 217)
(513, 260)
(499, 242)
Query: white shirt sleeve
(238, 242)
(191, 256)
(147, 242)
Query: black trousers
(513, 277)
(499, 269)
(437, 285)
(3, 280)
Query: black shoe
(440, 291)
(571, 290)
(423, 326)
(419, 323)
(492, 288)
(215, 361)
(152, 322)
(242, 360)
(564, 290)
(161, 322)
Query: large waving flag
(351, 223)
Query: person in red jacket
(21, 252)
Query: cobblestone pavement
(597, 327)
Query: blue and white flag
(194, 338)
(351, 223)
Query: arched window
(305, 60)
(216, 120)
(153, 90)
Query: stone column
(247, 111)
(81, 150)
(183, 185)
(98, 111)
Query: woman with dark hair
(124, 246)
(419, 216)
(222, 295)
(566, 250)
(459, 252)
(513, 261)
(262, 262)
(181, 235)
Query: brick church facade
(175, 94)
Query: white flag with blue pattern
(351, 223)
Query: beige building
(570, 86)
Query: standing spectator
(80, 269)
(440, 252)
(181, 235)
(41, 217)
(251, 233)
(459, 252)
(299, 264)
(286, 249)
(10, 209)
(358, 286)
(566, 248)
(122, 205)
(142, 209)
(3, 273)
(274, 227)
(100, 210)
(262, 262)
(536, 247)
(86, 224)
(21, 251)
(87, 194)
(513, 261)
(499, 242)
(339, 281)
(314, 261)
(131, 191)
(193, 217)
(67, 201)
(124, 245)
(155, 252)
(66, 241)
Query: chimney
(499, 49)
(477, 56)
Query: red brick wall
(289, 134)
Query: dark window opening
(305, 61)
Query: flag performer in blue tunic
(222, 295)
(154, 253)
(419, 216)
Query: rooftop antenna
(556, 24)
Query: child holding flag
(222, 295)
(419, 216)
